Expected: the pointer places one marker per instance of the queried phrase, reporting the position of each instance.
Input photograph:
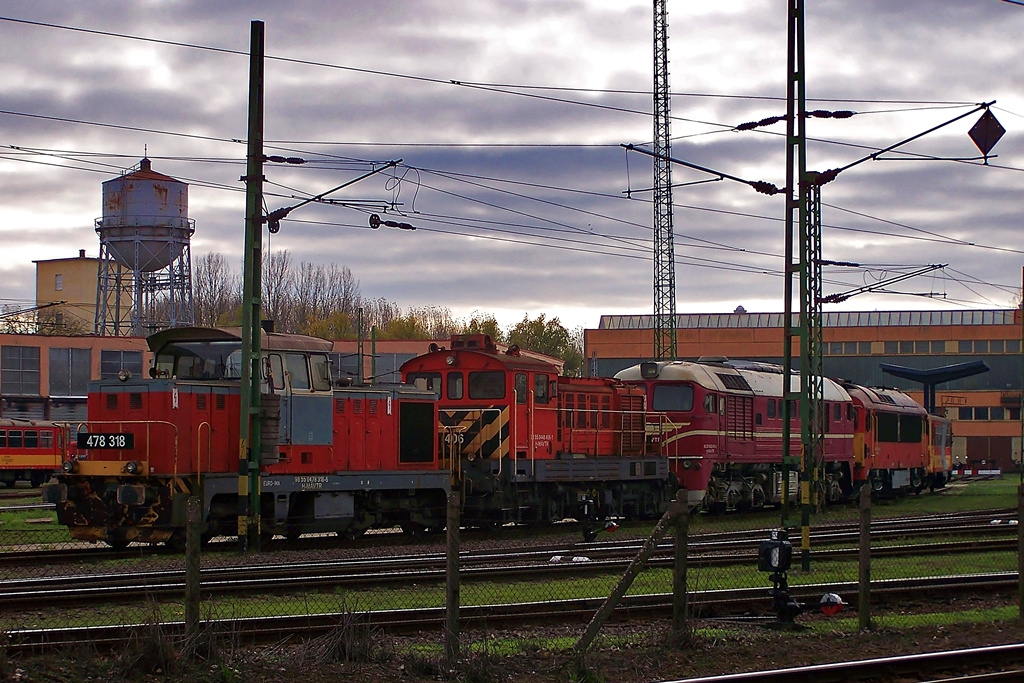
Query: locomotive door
(520, 435)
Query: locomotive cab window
(276, 368)
(454, 390)
(321, 372)
(540, 388)
(428, 381)
(298, 372)
(672, 398)
(3, 438)
(521, 385)
(487, 384)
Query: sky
(509, 119)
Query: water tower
(145, 270)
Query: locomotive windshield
(200, 360)
(671, 398)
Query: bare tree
(216, 290)
(277, 290)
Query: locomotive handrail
(209, 448)
(449, 450)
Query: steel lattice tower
(664, 250)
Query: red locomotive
(533, 446)
(898, 446)
(719, 423)
(333, 459)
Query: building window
(922, 347)
(850, 348)
(892, 348)
(906, 347)
(19, 370)
(965, 413)
(1012, 346)
(69, 372)
(1014, 413)
(865, 348)
(995, 346)
(965, 347)
(58, 282)
(938, 347)
(112, 362)
(996, 413)
(981, 346)
(980, 413)
(835, 348)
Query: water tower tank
(145, 222)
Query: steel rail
(279, 629)
(889, 668)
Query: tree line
(326, 301)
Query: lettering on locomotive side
(311, 482)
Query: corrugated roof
(835, 319)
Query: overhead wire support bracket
(830, 175)
(761, 186)
(878, 286)
(274, 218)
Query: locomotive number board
(100, 440)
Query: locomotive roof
(892, 400)
(509, 358)
(273, 340)
(761, 379)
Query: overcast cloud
(524, 201)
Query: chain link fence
(933, 559)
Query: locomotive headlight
(131, 467)
(69, 466)
(450, 360)
(124, 375)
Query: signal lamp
(131, 467)
(649, 370)
(69, 466)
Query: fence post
(864, 558)
(193, 519)
(451, 630)
(679, 601)
(649, 546)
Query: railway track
(916, 668)
(975, 522)
(363, 574)
(710, 604)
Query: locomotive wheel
(177, 540)
(413, 529)
(757, 497)
(916, 480)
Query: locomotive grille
(483, 433)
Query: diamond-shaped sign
(986, 132)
